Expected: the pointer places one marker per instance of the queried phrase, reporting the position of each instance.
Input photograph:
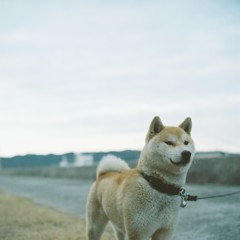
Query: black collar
(160, 186)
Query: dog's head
(169, 148)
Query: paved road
(216, 219)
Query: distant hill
(82, 159)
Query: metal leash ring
(184, 198)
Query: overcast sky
(90, 75)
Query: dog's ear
(156, 127)
(186, 125)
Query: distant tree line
(31, 160)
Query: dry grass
(20, 219)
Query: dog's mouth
(182, 162)
(185, 159)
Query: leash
(163, 187)
(193, 198)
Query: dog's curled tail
(110, 163)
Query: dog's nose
(186, 156)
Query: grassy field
(20, 219)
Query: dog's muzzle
(185, 158)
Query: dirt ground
(216, 219)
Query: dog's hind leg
(119, 235)
(96, 224)
(97, 227)
(96, 218)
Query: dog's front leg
(163, 234)
(133, 234)
(132, 237)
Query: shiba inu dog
(143, 203)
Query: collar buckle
(184, 198)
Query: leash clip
(184, 198)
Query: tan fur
(125, 198)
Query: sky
(89, 76)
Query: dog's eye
(186, 143)
(169, 143)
